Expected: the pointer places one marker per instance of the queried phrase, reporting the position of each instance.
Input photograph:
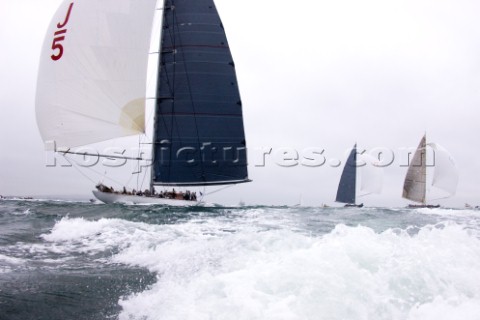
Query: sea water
(74, 260)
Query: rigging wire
(217, 190)
(75, 165)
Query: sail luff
(414, 187)
(154, 136)
(346, 192)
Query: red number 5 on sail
(60, 36)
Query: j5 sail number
(59, 36)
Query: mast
(424, 168)
(152, 167)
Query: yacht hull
(108, 197)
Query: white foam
(449, 212)
(69, 229)
(453, 308)
(7, 263)
(351, 273)
(221, 268)
(81, 235)
(11, 260)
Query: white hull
(131, 199)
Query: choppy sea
(75, 260)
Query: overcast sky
(312, 74)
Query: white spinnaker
(371, 175)
(92, 78)
(445, 174)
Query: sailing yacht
(371, 179)
(92, 86)
(445, 175)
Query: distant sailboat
(371, 179)
(92, 87)
(445, 175)
(299, 203)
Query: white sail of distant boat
(370, 176)
(300, 202)
(92, 87)
(445, 174)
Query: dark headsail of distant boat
(445, 175)
(92, 87)
(371, 179)
(346, 192)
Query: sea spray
(350, 273)
(240, 263)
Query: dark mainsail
(347, 185)
(199, 136)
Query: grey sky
(312, 73)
